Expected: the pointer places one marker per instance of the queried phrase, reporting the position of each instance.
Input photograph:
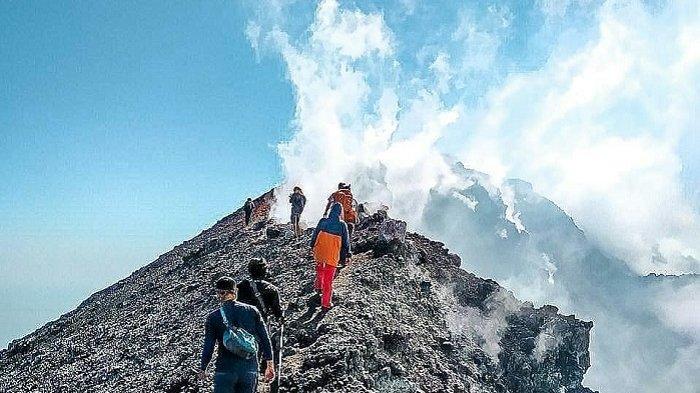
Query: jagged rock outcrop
(407, 319)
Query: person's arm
(275, 302)
(345, 248)
(303, 201)
(263, 336)
(209, 342)
(315, 234)
(265, 346)
(328, 205)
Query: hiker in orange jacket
(331, 244)
(346, 200)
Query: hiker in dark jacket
(331, 244)
(298, 201)
(264, 296)
(269, 301)
(248, 208)
(234, 374)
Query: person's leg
(322, 285)
(275, 385)
(351, 228)
(327, 285)
(247, 218)
(295, 224)
(317, 281)
(275, 338)
(224, 382)
(247, 382)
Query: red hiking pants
(324, 282)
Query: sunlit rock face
(407, 318)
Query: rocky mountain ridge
(407, 319)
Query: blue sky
(125, 128)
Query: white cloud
(678, 308)
(596, 129)
(598, 132)
(347, 119)
(508, 197)
(442, 70)
(351, 33)
(547, 341)
(554, 8)
(252, 33)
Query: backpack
(238, 340)
(263, 307)
(249, 206)
(344, 197)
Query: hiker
(248, 208)
(345, 198)
(298, 201)
(235, 373)
(362, 213)
(265, 297)
(331, 244)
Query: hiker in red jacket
(331, 244)
(346, 200)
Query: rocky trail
(407, 318)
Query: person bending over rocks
(235, 373)
(331, 244)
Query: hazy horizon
(125, 129)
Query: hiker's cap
(226, 284)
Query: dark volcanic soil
(407, 319)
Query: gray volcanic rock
(406, 319)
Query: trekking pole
(279, 354)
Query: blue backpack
(238, 340)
